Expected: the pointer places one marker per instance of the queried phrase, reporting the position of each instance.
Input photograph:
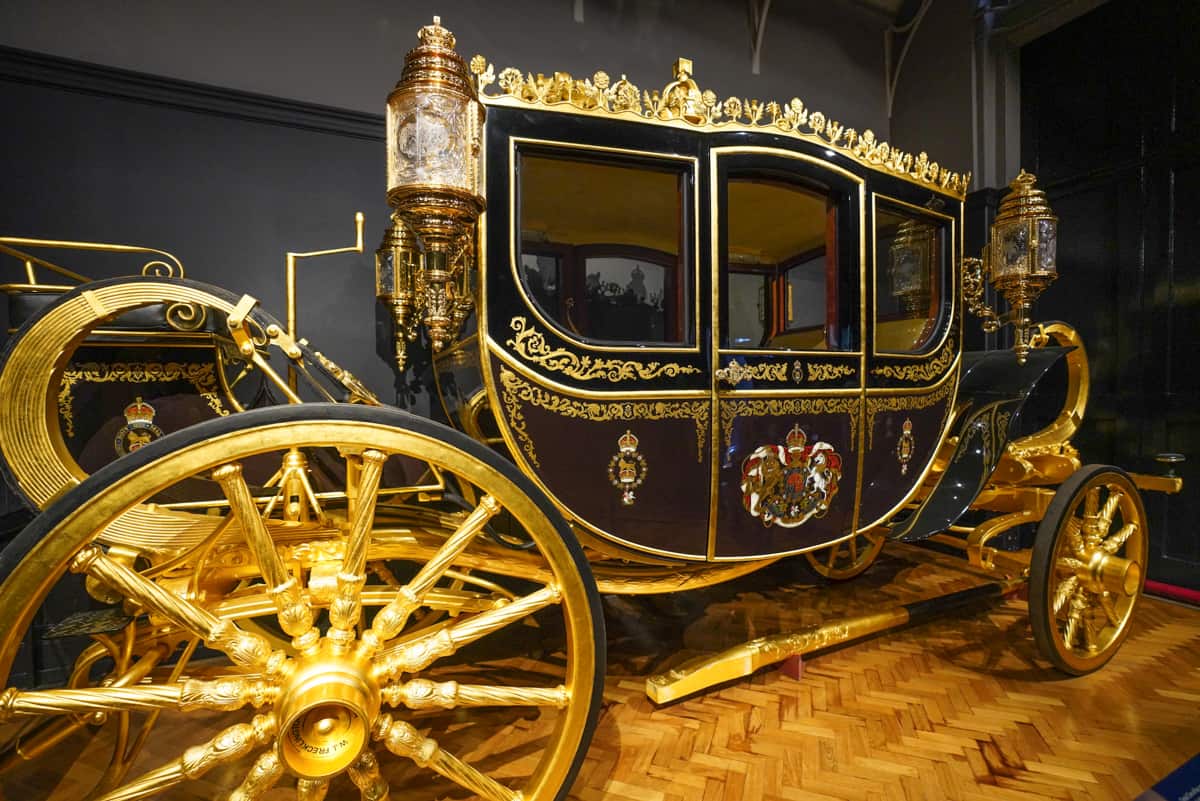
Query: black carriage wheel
(350, 686)
(1087, 569)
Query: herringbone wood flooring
(959, 709)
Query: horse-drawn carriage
(680, 339)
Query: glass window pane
(782, 262)
(909, 275)
(601, 245)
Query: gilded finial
(683, 69)
(436, 36)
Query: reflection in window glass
(601, 246)
(747, 303)
(909, 270)
(782, 265)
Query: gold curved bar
(1059, 432)
(150, 268)
(292, 258)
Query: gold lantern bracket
(1020, 261)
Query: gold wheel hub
(1103, 571)
(326, 709)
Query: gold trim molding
(926, 371)
(780, 407)
(683, 101)
(823, 372)
(200, 376)
(906, 403)
(735, 372)
(517, 391)
(530, 344)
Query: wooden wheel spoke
(225, 695)
(1115, 496)
(346, 609)
(1110, 609)
(854, 549)
(426, 694)
(262, 777)
(1068, 564)
(392, 618)
(367, 778)
(1065, 589)
(311, 789)
(1114, 542)
(1089, 632)
(243, 647)
(229, 744)
(294, 611)
(1072, 533)
(420, 652)
(405, 741)
(833, 554)
(1072, 626)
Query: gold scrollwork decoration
(531, 344)
(157, 268)
(828, 372)
(186, 316)
(991, 426)
(736, 372)
(683, 100)
(779, 407)
(518, 391)
(906, 403)
(925, 371)
(200, 376)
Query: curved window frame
(687, 310)
(940, 326)
(811, 173)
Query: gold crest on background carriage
(676, 339)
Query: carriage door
(787, 343)
(914, 341)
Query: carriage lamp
(434, 125)
(1020, 261)
(909, 271)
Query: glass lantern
(434, 130)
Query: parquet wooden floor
(959, 709)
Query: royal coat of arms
(139, 429)
(788, 484)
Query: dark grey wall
(350, 54)
(227, 183)
(932, 103)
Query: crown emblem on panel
(627, 468)
(789, 484)
(905, 446)
(139, 429)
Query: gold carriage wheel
(849, 557)
(1088, 568)
(336, 701)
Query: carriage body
(709, 341)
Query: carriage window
(782, 265)
(910, 259)
(602, 246)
